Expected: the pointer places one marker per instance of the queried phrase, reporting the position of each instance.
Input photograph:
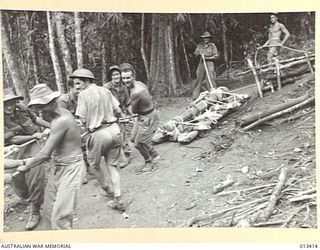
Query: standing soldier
(69, 101)
(276, 29)
(20, 126)
(64, 146)
(97, 110)
(120, 92)
(209, 52)
(148, 119)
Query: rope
(282, 46)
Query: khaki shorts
(145, 127)
(105, 142)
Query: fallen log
(283, 82)
(302, 198)
(254, 117)
(297, 72)
(294, 169)
(265, 214)
(291, 64)
(272, 173)
(280, 113)
(272, 64)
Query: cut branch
(204, 217)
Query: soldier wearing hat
(22, 125)
(64, 146)
(147, 121)
(210, 53)
(276, 30)
(120, 92)
(98, 110)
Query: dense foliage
(114, 38)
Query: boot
(34, 217)
(148, 167)
(117, 204)
(109, 191)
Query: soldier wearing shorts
(276, 29)
(97, 109)
(147, 121)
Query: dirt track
(182, 187)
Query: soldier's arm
(35, 119)
(198, 51)
(127, 102)
(39, 121)
(135, 99)
(11, 163)
(286, 33)
(58, 130)
(20, 139)
(81, 111)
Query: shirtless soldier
(276, 29)
(148, 119)
(64, 146)
(69, 101)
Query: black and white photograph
(158, 120)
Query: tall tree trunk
(34, 64)
(54, 58)
(77, 33)
(13, 61)
(104, 63)
(185, 54)
(170, 58)
(32, 48)
(163, 64)
(175, 38)
(154, 51)
(63, 44)
(225, 44)
(143, 53)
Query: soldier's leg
(66, 196)
(200, 77)
(211, 72)
(35, 180)
(94, 150)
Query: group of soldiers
(209, 53)
(88, 108)
(84, 128)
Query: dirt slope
(182, 186)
